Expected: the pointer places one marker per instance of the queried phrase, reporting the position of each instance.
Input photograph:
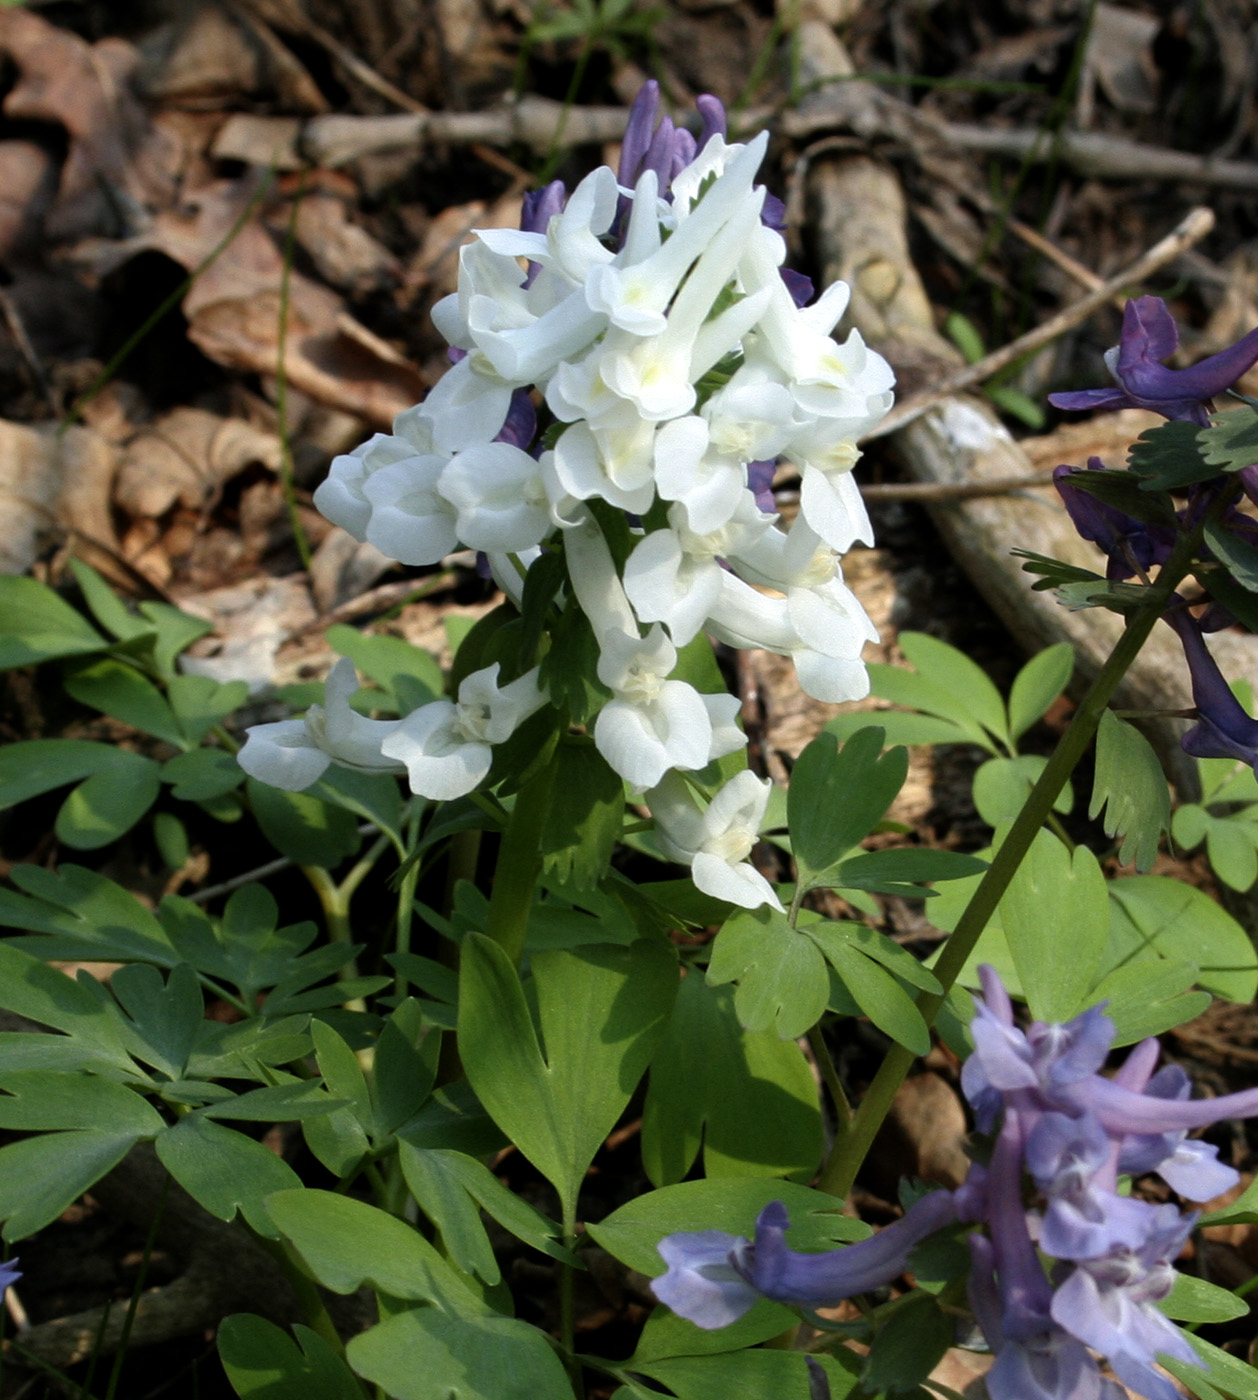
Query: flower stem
(519, 865)
(839, 1172)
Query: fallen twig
(1191, 229)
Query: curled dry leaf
(28, 184)
(49, 482)
(233, 311)
(186, 457)
(117, 167)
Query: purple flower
(1190, 1168)
(713, 1278)
(1223, 729)
(1127, 541)
(1110, 1304)
(1149, 336)
(9, 1274)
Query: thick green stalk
(850, 1149)
(519, 865)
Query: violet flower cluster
(1149, 336)
(646, 320)
(1078, 1275)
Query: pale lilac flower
(714, 1278)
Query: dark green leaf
(109, 803)
(39, 626)
(558, 1110)
(202, 774)
(877, 946)
(1169, 457)
(1231, 442)
(898, 866)
(1002, 786)
(874, 990)
(225, 1171)
(264, 1363)
(166, 1018)
(426, 1354)
(303, 828)
(747, 1375)
(107, 608)
(120, 690)
(908, 1346)
(967, 685)
(175, 631)
(47, 1100)
(41, 1176)
(585, 815)
(1235, 554)
(836, 797)
(748, 1097)
(781, 976)
(200, 703)
(899, 727)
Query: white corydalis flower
(447, 747)
(294, 753)
(715, 842)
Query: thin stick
(1191, 229)
(951, 490)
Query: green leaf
(1168, 457)
(1156, 916)
(87, 916)
(725, 1203)
(277, 1103)
(39, 626)
(1242, 1211)
(166, 1017)
(1002, 786)
(425, 1354)
(1235, 554)
(877, 946)
(1038, 684)
(1195, 1300)
(585, 815)
(110, 802)
(899, 727)
(893, 869)
(1189, 825)
(908, 1346)
(35, 766)
(41, 1176)
(264, 1363)
(1016, 404)
(404, 1067)
(1130, 786)
(1148, 997)
(176, 630)
(200, 703)
(202, 774)
(1231, 1375)
(374, 796)
(1056, 920)
(410, 674)
(964, 334)
(301, 827)
(747, 1375)
(836, 798)
(781, 976)
(225, 1171)
(107, 608)
(923, 692)
(451, 1189)
(120, 690)
(1231, 441)
(1224, 589)
(45, 1100)
(966, 684)
(558, 1110)
(666, 1334)
(41, 993)
(748, 1097)
(171, 838)
(873, 989)
(346, 1243)
(1230, 846)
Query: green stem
(567, 1311)
(519, 865)
(839, 1172)
(821, 1053)
(133, 1303)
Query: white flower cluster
(654, 325)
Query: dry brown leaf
(345, 255)
(252, 620)
(209, 57)
(233, 311)
(342, 569)
(186, 457)
(436, 264)
(51, 481)
(117, 166)
(28, 184)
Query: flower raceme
(646, 316)
(1057, 1120)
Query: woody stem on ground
(839, 1171)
